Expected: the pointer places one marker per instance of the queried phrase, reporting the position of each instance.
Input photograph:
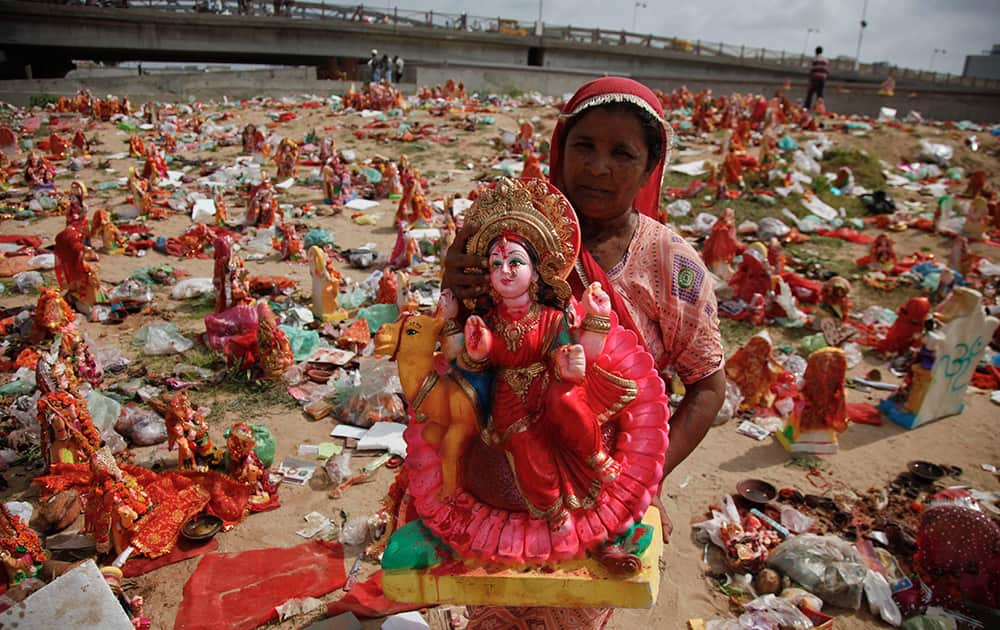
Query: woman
(608, 154)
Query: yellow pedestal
(576, 583)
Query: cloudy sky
(903, 32)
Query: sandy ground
(868, 455)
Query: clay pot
(57, 513)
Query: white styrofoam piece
(79, 598)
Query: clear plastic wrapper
(880, 600)
(934, 152)
(161, 338)
(826, 566)
(141, 426)
(374, 400)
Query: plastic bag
(771, 227)
(355, 531)
(161, 338)
(712, 528)
(826, 566)
(42, 262)
(142, 427)
(938, 153)
(28, 281)
(303, 342)
(731, 404)
(703, 223)
(104, 411)
(795, 521)
(769, 611)
(805, 163)
(189, 288)
(880, 600)
(679, 208)
(338, 468)
(375, 399)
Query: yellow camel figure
(446, 403)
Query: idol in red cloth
(722, 245)
(115, 503)
(906, 331)
(38, 172)
(247, 468)
(262, 208)
(882, 256)
(81, 146)
(76, 206)
(75, 275)
(752, 277)
(558, 374)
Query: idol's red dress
(547, 428)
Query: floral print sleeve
(672, 301)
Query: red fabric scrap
(185, 549)
(21, 239)
(986, 377)
(238, 591)
(366, 599)
(847, 234)
(863, 413)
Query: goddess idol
(545, 439)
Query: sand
(869, 456)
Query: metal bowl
(926, 470)
(756, 490)
(202, 527)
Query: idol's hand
(464, 274)
(447, 305)
(478, 338)
(571, 363)
(596, 301)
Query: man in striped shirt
(817, 77)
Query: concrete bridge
(46, 35)
(40, 39)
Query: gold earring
(533, 290)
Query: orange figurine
(754, 370)
(822, 412)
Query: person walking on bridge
(818, 74)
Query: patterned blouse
(672, 301)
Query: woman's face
(511, 271)
(604, 163)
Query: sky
(902, 32)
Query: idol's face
(511, 271)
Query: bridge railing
(401, 18)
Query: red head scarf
(603, 92)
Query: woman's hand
(447, 305)
(465, 274)
(478, 338)
(596, 301)
(571, 363)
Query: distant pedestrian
(376, 66)
(397, 66)
(386, 67)
(818, 74)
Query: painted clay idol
(942, 367)
(544, 440)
